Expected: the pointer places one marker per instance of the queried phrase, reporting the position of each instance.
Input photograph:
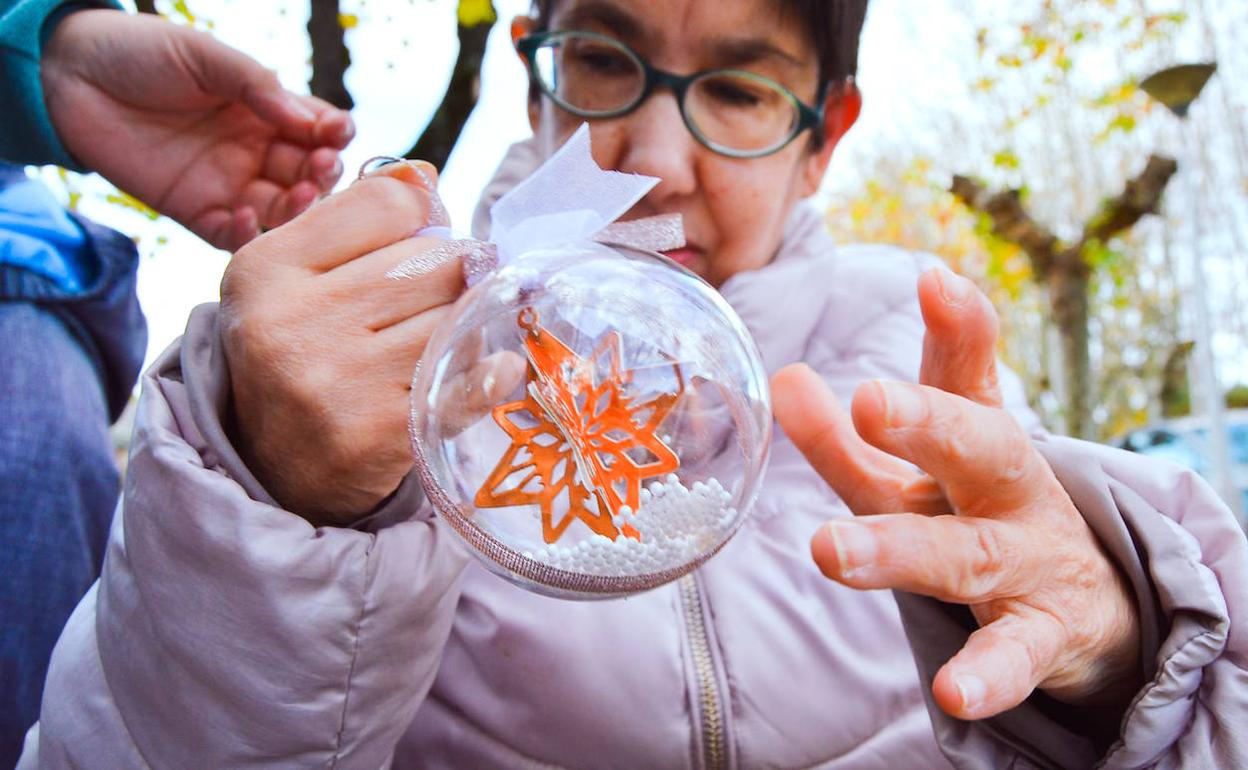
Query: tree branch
(146, 6)
(439, 137)
(1139, 197)
(330, 57)
(1010, 221)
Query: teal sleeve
(26, 133)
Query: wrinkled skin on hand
(321, 344)
(193, 128)
(984, 522)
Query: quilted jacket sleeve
(1186, 559)
(226, 632)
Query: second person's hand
(193, 128)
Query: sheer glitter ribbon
(568, 199)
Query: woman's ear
(521, 26)
(840, 112)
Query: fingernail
(903, 405)
(488, 383)
(334, 172)
(438, 216)
(414, 172)
(855, 546)
(348, 130)
(972, 690)
(428, 173)
(954, 289)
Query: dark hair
(835, 26)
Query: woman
(269, 599)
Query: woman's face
(734, 209)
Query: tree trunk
(439, 137)
(330, 57)
(1068, 301)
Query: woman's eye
(732, 95)
(604, 61)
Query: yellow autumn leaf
(348, 20)
(182, 10)
(128, 201)
(474, 12)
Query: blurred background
(1062, 153)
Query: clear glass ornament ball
(593, 421)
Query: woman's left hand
(987, 525)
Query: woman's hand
(321, 343)
(987, 525)
(191, 127)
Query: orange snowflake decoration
(575, 436)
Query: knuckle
(989, 559)
(1016, 460)
(959, 443)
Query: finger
(226, 229)
(924, 495)
(472, 395)
(868, 480)
(399, 347)
(234, 76)
(978, 454)
(276, 205)
(399, 281)
(334, 127)
(951, 558)
(960, 345)
(417, 172)
(999, 667)
(369, 215)
(286, 164)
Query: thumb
(233, 76)
(960, 344)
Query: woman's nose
(657, 143)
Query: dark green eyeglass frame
(808, 117)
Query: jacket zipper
(712, 717)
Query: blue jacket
(82, 272)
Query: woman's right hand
(321, 343)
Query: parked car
(1185, 440)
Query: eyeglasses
(733, 112)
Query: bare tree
(1066, 269)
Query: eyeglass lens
(594, 76)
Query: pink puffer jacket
(226, 632)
